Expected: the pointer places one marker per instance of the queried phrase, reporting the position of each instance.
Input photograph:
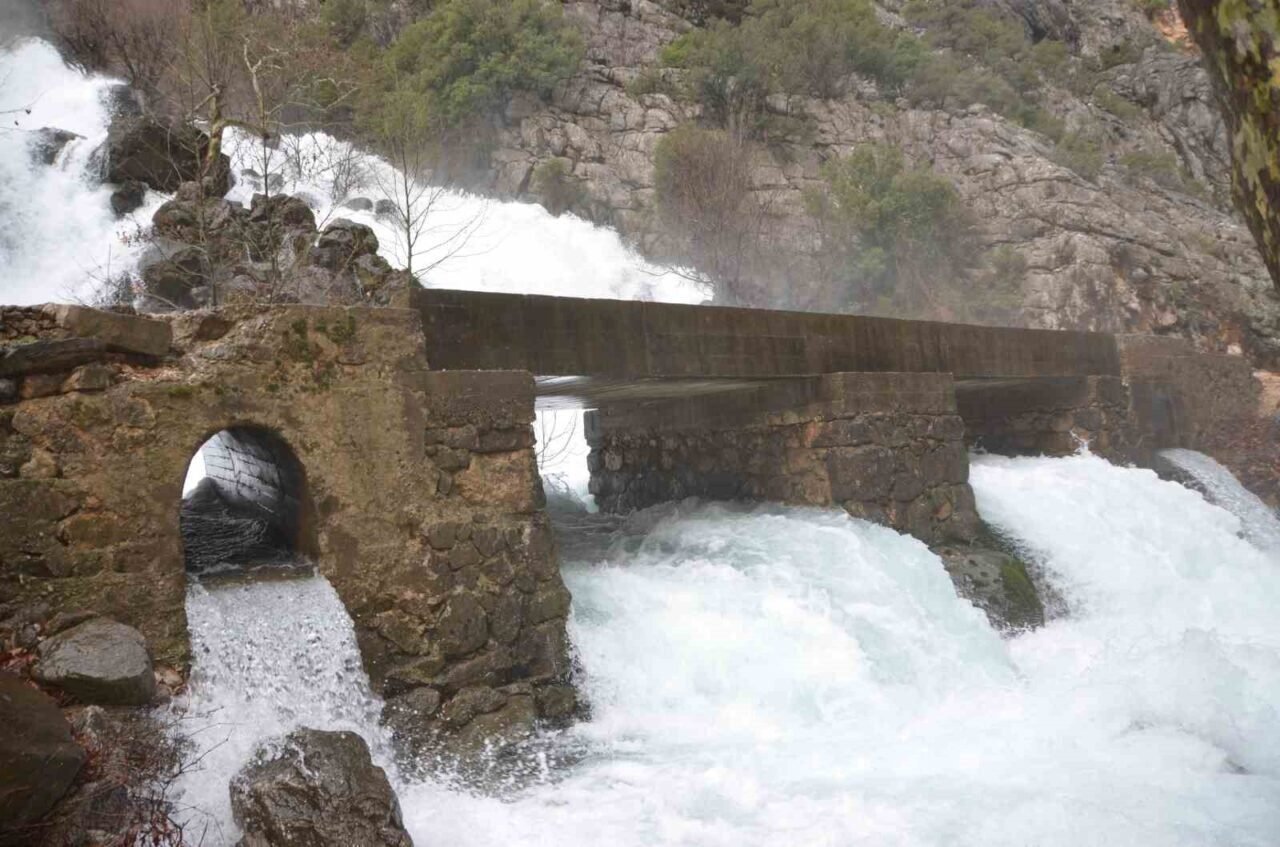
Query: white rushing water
(60, 238)
(765, 676)
(1258, 520)
(787, 676)
(269, 656)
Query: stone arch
(252, 504)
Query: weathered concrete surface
(1049, 416)
(887, 447)
(423, 488)
(613, 339)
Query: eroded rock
(321, 789)
(38, 758)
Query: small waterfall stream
(1258, 520)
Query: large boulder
(320, 790)
(47, 142)
(341, 243)
(160, 155)
(997, 583)
(99, 661)
(173, 282)
(38, 758)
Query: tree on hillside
(896, 238)
(405, 133)
(717, 222)
(1241, 46)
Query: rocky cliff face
(1108, 247)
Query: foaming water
(60, 238)
(1258, 520)
(790, 676)
(270, 655)
(470, 242)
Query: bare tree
(408, 140)
(712, 212)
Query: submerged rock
(47, 142)
(997, 583)
(38, 758)
(320, 790)
(99, 661)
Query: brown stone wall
(1183, 397)
(423, 485)
(1052, 417)
(887, 447)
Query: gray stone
(128, 197)
(47, 142)
(38, 758)
(321, 790)
(997, 583)
(99, 661)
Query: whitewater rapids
(771, 675)
(765, 676)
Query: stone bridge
(395, 448)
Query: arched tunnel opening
(244, 504)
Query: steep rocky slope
(1106, 247)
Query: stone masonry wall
(887, 447)
(1048, 416)
(428, 509)
(1182, 396)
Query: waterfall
(776, 676)
(59, 237)
(270, 655)
(764, 675)
(1258, 520)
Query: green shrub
(787, 46)
(346, 20)
(1080, 152)
(651, 81)
(703, 12)
(702, 182)
(467, 57)
(1106, 97)
(1164, 168)
(986, 58)
(894, 237)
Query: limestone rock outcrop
(38, 758)
(1110, 251)
(321, 790)
(99, 661)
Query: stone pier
(416, 492)
(887, 447)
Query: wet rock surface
(39, 760)
(997, 583)
(99, 661)
(321, 789)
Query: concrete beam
(613, 340)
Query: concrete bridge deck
(588, 351)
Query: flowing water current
(767, 675)
(770, 675)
